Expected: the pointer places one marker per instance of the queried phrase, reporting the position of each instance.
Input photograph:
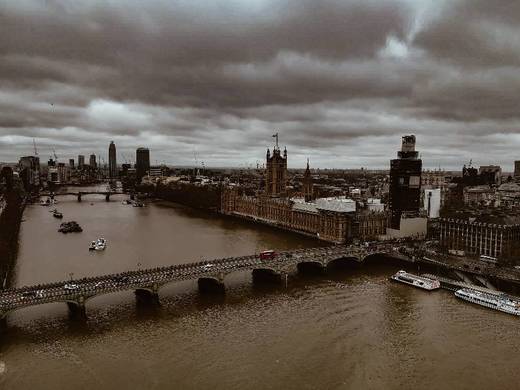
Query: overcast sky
(340, 81)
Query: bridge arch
(382, 258)
(311, 267)
(268, 275)
(344, 262)
(76, 307)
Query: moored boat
(416, 281)
(498, 301)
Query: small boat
(416, 281)
(46, 202)
(57, 214)
(99, 245)
(137, 204)
(126, 201)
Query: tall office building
(30, 171)
(92, 161)
(142, 162)
(517, 168)
(81, 161)
(405, 182)
(112, 162)
(276, 171)
(71, 163)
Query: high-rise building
(71, 163)
(307, 184)
(52, 172)
(81, 161)
(276, 171)
(92, 161)
(30, 171)
(405, 182)
(112, 162)
(517, 168)
(142, 162)
(63, 173)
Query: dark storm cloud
(341, 81)
(475, 33)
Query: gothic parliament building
(333, 220)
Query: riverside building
(500, 241)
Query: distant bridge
(80, 194)
(210, 274)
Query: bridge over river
(210, 275)
(80, 194)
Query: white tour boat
(416, 281)
(499, 301)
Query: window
(415, 181)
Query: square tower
(405, 182)
(276, 171)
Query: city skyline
(216, 81)
(259, 194)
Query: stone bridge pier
(148, 295)
(77, 309)
(269, 276)
(107, 196)
(212, 284)
(79, 196)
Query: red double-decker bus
(267, 255)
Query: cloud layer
(341, 81)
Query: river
(345, 330)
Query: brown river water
(351, 329)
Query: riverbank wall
(12, 206)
